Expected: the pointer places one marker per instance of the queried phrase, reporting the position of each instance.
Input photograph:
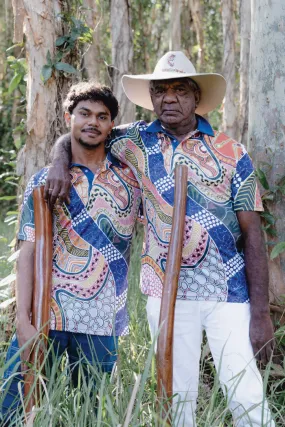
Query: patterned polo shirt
(91, 248)
(221, 181)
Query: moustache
(91, 129)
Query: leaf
(14, 45)
(269, 218)
(46, 73)
(22, 89)
(7, 280)
(49, 61)
(14, 256)
(7, 302)
(262, 178)
(11, 59)
(277, 250)
(8, 197)
(14, 83)
(67, 68)
(60, 41)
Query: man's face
(174, 101)
(90, 123)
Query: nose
(93, 121)
(170, 96)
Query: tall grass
(128, 396)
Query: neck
(181, 130)
(89, 158)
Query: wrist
(58, 162)
(257, 312)
(22, 318)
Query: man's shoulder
(123, 130)
(227, 146)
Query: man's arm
(24, 291)
(58, 180)
(261, 328)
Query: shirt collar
(110, 160)
(203, 126)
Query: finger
(48, 185)
(269, 352)
(264, 356)
(53, 196)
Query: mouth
(170, 112)
(91, 132)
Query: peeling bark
(175, 25)
(92, 61)
(37, 21)
(230, 110)
(267, 111)
(245, 26)
(196, 9)
(122, 56)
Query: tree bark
(37, 20)
(230, 110)
(196, 10)
(245, 26)
(267, 112)
(122, 56)
(92, 57)
(175, 25)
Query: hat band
(173, 70)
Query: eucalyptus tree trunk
(230, 111)
(175, 25)
(92, 57)
(36, 20)
(267, 114)
(245, 26)
(122, 55)
(196, 10)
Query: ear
(67, 118)
(197, 98)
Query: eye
(158, 90)
(103, 118)
(180, 90)
(83, 113)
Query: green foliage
(77, 33)
(273, 194)
(19, 66)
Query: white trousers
(227, 329)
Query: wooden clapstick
(173, 265)
(42, 287)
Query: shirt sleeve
(124, 144)
(27, 217)
(245, 192)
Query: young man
(91, 243)
(223, 284)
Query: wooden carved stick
(42, 286)
(173, 265)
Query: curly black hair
(91, 91)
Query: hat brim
(212, 86)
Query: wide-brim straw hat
(174, 65)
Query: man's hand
(57, 185)
(261, 335)
(25, 333)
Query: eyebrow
(105, 113)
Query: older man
(223, 285)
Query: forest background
(45, 46)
